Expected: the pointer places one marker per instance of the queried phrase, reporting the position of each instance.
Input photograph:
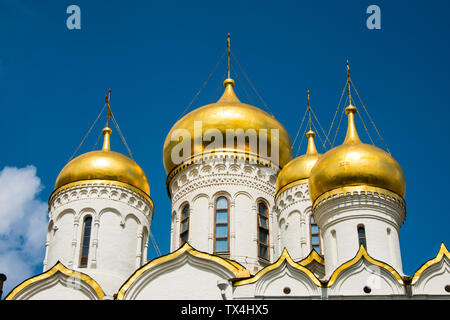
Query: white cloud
(23, 225)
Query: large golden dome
(298, 170)
(227, 113)
(355, 166)
(103, 166)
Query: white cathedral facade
(320, 226)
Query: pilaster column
(139, 249)
(232, 227)
(94, 245)
(211, 227)
(46, 253)
(76, 223)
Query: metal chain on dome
(317, 120)
(220, 85)
(253, 87)
(89, 131)
(301, 141)
(92, 126)
(317, 131)
(242, 86)
(334, 117)
(339, 124)
(365, 128)
(301, 125)
(121, 135)
(310, 111)
(155, 245)
(98, 139)
(204, 84)
(370, 118)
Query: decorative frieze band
(100, 191)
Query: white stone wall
(120, 219)
(185, 278)
(293, 206)
(244, 184)
(339, 218)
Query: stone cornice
(354, 202)
(292, 196)
(220, 172)
(101, 190)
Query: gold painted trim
(239, 266)
(358, 189)
(313, 256)
(362, 253)
(291, 185)
(443, 252)
(284, 257)
(58, 267)
(102, 182)
(238, 270)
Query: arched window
(263, 231)
(362, 235)
(222, 209)
(184, 225)
(85, 242)
(315, 240)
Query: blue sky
(155, 56)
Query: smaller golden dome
(355, 166)
(103, 165)
(298, 170)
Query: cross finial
(107, 131)
(348, 84)
(309, 106)
(309, 111)
(107, 100)
(229, 53)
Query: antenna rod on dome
(229, 54)
(348, 84)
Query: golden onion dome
(228, 113)
(355, 166)
(298, 170)
(104, 166)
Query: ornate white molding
(223, 172)
(292, 196)
(101, 191)
(353, 203)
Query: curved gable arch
(443, 253)
(285, 259)
(363, 272)
(57, 274)
(223, 268)
(312, 256)
(434, 275)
